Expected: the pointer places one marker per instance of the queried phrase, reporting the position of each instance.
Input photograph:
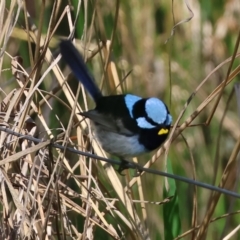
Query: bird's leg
(126, 165)
(123, 166)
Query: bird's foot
(123, 166)
(126, 165)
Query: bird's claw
(123, 166)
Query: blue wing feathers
(75, 61)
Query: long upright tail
(75, 61)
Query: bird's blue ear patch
(143, 123)
(157, 111)
(130, 100)
(168, 120)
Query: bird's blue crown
(155, 110)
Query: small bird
(126, 125)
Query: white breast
(119, 145)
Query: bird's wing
(108, 122)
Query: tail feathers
(75, 61)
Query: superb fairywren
(125, 125)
